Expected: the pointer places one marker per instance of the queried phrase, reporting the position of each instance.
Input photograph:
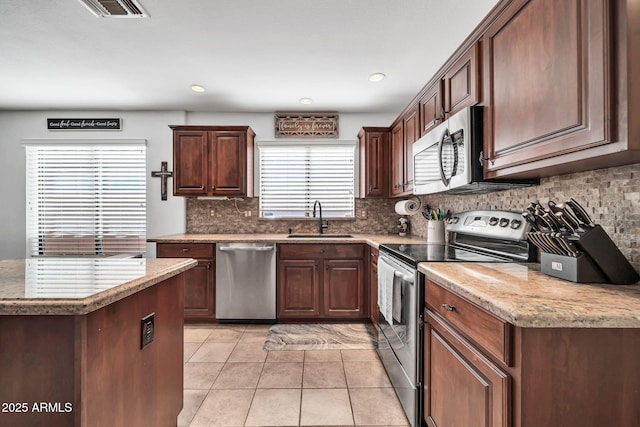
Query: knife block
(580, 269)
(597, 244)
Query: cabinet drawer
(185, 250)
(315, 251)
(489, 332)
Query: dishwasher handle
(247, 248)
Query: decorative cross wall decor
(163, 174)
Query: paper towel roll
(407, 207)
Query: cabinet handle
(185, 249)
(208, 266)
(448, 307)
(482, 158)
(213, 187)
(326, 267)
(370, 188)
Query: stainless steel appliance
(476, 236)
(246, 281)
(449, 158)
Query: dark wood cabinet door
(461, 82)
(547, 84)
(397, 160)
(411, 135)
(228, 162)
(374, 159)
(373, 286)
(343, 286)
(199, 282)
(190, 163)
(199, 291)
(461, 386)
(431, 108)
(298, 288)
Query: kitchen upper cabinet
(397, 160)
(403, 134)
(374, 161)
(199, 282)
(458, 88)
(320, 281)
(548, 85)
(432, 108)
(462, 82)
(213, 160)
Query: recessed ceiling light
(376, 77)
(197, 88)
(306, 101)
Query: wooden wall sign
(84, 124)
(306, 125)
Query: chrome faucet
(322, 225)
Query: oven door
(399, 314)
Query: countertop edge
(55, 307)
(536, 312)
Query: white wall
(163, 217)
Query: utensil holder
(600, 261)
(435, 232)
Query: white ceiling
(251, 55)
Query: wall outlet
(212, 213)
(148, 330)
(363, 213)
(247, 213)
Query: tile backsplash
(380, 218)
(611, 197)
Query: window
(292, 178)
(86, 199)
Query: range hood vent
(115, 8)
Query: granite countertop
(523, 296)
(77, 286)
(373, 240)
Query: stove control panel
(494, 224)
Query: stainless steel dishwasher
(246, 281)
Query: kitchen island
(91, 341)
(524, 349)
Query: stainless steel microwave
(448, 159)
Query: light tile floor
(229, 380)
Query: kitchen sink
(302, 236)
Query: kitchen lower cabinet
(319, 281)
(373, 285)
(462, 387)
(298, 288)
(482, 371)
(199, 284)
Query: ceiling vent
(115, 8)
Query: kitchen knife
(553, 206)
(570, 217)
(580, 212)
(551, 218)
(551, 242)
(544, 243)
(567, 224)
(531, 220)
(567, 244)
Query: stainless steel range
(475, 236)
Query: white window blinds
(292, 178)
(86, 199)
